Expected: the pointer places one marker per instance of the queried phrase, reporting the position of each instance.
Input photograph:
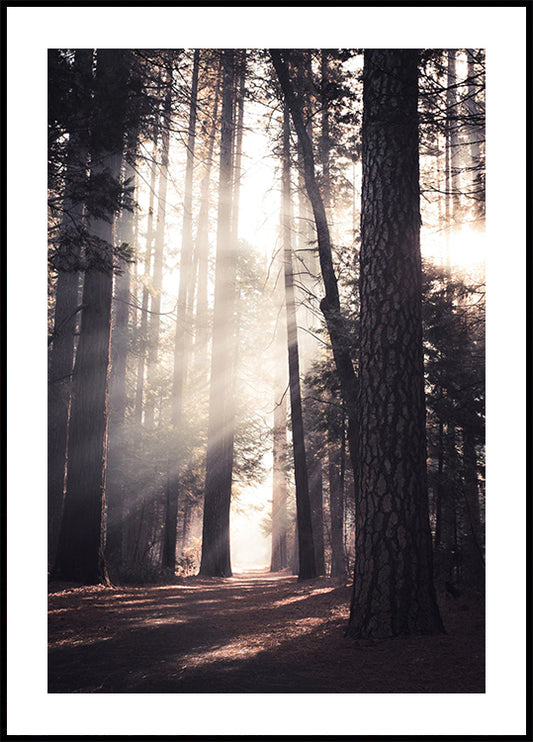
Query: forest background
(501, 31)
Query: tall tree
(80, 553)
(336, 507)
(279, 558)
(393, 582)
(201, 337)
(67, 289)
(215, 559)
(306, 552)
(330, 304)
(120, 345)
(279, 552)
(183, 331)
(159, 248)
(143, 326)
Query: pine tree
(216, 533)
(80, 554)
(393, 582)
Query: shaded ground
(253, 633)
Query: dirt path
(253, 633)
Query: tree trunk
(143, 327)
(279, 548)
(157, 280)
(475, 135)
(182, 338)
(305, 257)
(452, 129)
(324, 133)
(474, 558)
(66, 318)
(330, 304)
(393, 581)
(307, 563)
(201, 335)
(336, 510)
(278, 559)
(118, 397)
(80, 554)
(216, 523)
(316, 494)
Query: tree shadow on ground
(247, 635)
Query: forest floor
(256, 632)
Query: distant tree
(159, 247)
(183, 331)
(120, 347)
(201, 319)
(453, 313)
(393, 582)
(279, 557)
(306, 552)
(330, 304)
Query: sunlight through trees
(266, 276)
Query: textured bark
(216, 529)
(307, 562)
(80, 554)
(393, 580)
(66, 318)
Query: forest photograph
(265, 350)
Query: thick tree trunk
(80, 555)
(66, 318)
(307, 563)
(393, 581)
(216, 524)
